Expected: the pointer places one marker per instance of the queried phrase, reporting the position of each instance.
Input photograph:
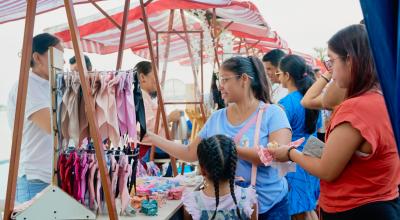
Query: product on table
(149, 207)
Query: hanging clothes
(106, 111)
(126, 106)
(59, 100)
(70, 110)
(139, 106)
(83, 121)
(84, 167)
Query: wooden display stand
(53, 193)
(54, 196)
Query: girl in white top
(220, 198)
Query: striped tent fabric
(12, 10)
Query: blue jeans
(27, 189)
(279, 211)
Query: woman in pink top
(360, 167)
(149, 93)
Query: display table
(173, 209)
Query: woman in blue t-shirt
(244, 86)
(295, 75)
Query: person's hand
(174, 116)
(279, 153)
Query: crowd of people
(280, 99)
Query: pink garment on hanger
(98, 191)
(106, 111)
(84, 166)
(125, 171)
(83, 122)
(77, 178)
(68, 180)
(62, 162)
(114, 173)
(64, 110)
(73, 110)
(92, 194)
(126, 106)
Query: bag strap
(256, 119)
(256, 142)
(244, 129)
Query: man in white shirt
(35, 168)
(271, 64)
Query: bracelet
(288, 152)
(325, 78)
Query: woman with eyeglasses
(296, 76)
(244, 86)
(324, 95)
(359, 169)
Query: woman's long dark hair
(301, 74)
(216, 94)
(352, 43)
(217, 156)
(253, 67)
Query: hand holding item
(281, 152)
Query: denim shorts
(27, 189)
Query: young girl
(220, 198)
(244, 86)
(295, 75)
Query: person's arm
(254, 215)
(42, 119)
(343, 141)
(313, 97)
(187, 153)
(333, 96)
(281, 136)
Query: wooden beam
(224, 29)
(147, 3)
(189, 49)
(123, 35)
(106, 14)
(202, 80)
(213, 34)
(90, 111)
(166, 53)
(240, 46)
(155, 72)
(20, 108)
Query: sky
(304, 24)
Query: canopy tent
(240, 19)
(100, 35)
(382, 20)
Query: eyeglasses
(223, 80)
(329, 63)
